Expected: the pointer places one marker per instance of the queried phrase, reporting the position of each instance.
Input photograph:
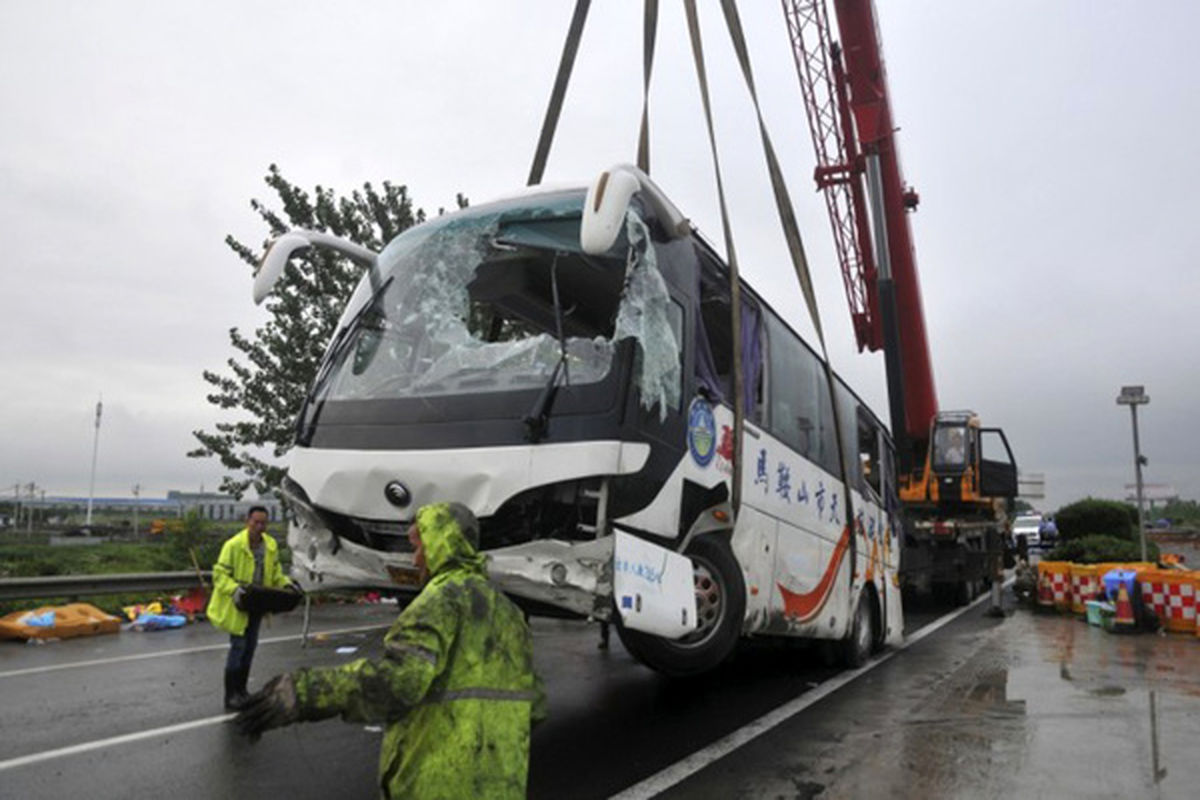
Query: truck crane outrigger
(954, 497)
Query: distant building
(210, 505)
(223, 508)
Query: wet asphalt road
(1031, 706)
(612, 722)
(1034, 706)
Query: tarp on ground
(58, 622)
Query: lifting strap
(791, 232)
(649, 29)
(565, 65)
(735, 286)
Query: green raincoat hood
(450, 535)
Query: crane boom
(846, 99)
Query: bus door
(871, 521)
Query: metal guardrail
(80, 585)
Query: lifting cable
(791, 231)
(554, 108)
(649, 29)
(782, 202)
(735, 283)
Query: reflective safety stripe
(487, 694)
(401, 650)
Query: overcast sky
(1052, 144)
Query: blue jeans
(241, 648)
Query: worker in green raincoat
(455, 685)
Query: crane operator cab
(968, 464)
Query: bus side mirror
(273, 262)
(607, 200)
(604, 210)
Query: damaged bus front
(486, 358)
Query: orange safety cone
(1123, 618)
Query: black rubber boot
(243, 675)
(235, 690)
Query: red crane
(953, 495)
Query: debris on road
(157, 622)
(58, 622)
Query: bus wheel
(860, 639)
(965, 591)
(720, 607)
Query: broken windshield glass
(645, 314)
(470, 307)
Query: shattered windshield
(500, 298)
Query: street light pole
(95, 448)
(1134, 396)
(137, 490)
(32, 487)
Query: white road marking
(686, 767)
(76, 749)
(163, 653)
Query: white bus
(561, 363)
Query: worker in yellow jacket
(455, 686)
(248, 558)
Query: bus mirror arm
(270, 269)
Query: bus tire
(720, 606)
(856, 648)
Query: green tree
(265, 387)
(1091, 516)
(1100, 549)
(1020, 506)
(1181, 513)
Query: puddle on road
(1051, 707)
(1109, 715)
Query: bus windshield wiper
(538, 419)
(311, 409)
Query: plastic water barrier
(1085, 583)
(1171, 595)
(1054, 584)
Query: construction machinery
(956, 478)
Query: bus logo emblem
(702, 432)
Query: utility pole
(95, 448)
(137, 490)
(32, 487)
(1134, 396)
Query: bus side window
(676, 317)
(868, 453)
(800, 408)
(716, 336)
